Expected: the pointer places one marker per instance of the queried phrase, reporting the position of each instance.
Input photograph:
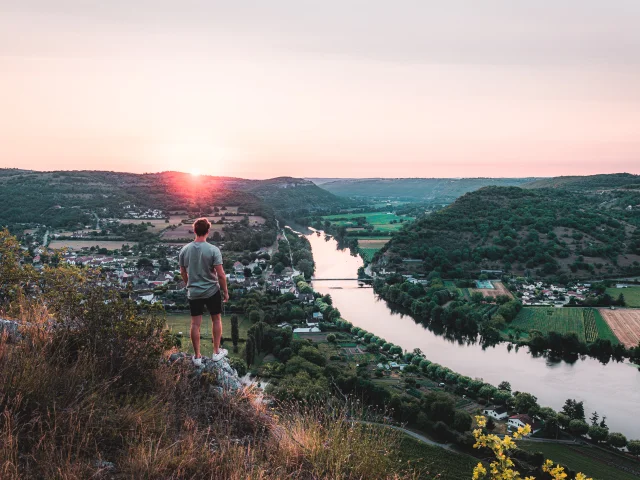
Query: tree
(634, 447)
(235, 335)
(306, 267)
(524, 402)
(594, 418)
(603, 422)
(573, 409)
(331, 338)
(249, 350)
(477, 297)
(462, 421)
(144, 262)
(278, 268)
(598, 434)
(563, 420)
(578, 427)
(395, 350)
(501, 396)
(504, 386)
(617, 440)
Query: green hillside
(68, 198)
(436, 190)
(540, 232)
(287, 195)
(587, 182)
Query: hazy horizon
(357, 89)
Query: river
(612, 390)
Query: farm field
(586, 323)
(380, 221)
(625, 324)
(462, 292)
(182, 231)
(181, 322)
(369, 246)
(631, 295)
(593, 461)
(80, 244)
(440, 463)
(157, 223)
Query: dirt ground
(499, 289)
(625, 324)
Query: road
(413, 434)
(97, 221)
(45, 238)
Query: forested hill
(437, 190)
(69, 197)
(287, 195)
(540, 232)
(588, 183)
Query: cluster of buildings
(540, 294)
(149, 213)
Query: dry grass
(62, 416)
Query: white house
(307, 330)
(517, 421)
(497, 413)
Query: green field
(592, 461)
(181, 322)
(587, 323)
(438, 462)
(631, 295)
(462, 292)
(381, 221)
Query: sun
(195, 172)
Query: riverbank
(551, 380)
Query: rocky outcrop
(10, 328)
(225, 377)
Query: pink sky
(334, 89)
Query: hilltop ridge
(540, 232)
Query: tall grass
(71, 409)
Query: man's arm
(222, 279)
(185, 275)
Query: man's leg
(196, 321)
(216, 331)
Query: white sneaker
(197, 361)
(222, 352)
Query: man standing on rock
(202, 271)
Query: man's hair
(201, 226)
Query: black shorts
(213, 304)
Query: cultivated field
(625, 324)
(157, 223)
(369, 246)
(631, 295)
(594, 462)
(80, 244)
(381, 221)
(586, 323)
(185, 230)
(498, 289)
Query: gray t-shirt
(199, 258)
